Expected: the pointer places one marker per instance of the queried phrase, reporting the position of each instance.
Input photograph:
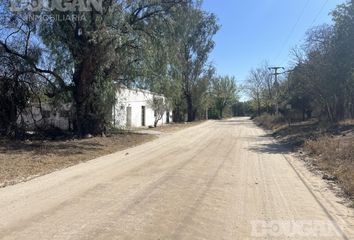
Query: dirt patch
(24, 160)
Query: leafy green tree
(194, 39)
(96, 47)
(296, 93)
(343, 57)
(161, 106)
(241, 109)
(88, 51)
(225, 92)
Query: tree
(296, 92)
(254, 87)
(224, 91)
(158, 72)
(77, 56)
(160, 106)
(314, 80)
(121, 26)
(241, 109)
(24, 76)
(322, 77)
(321, 82)
(194, 32)
(269, 93)
(343, 56)
(82, 55)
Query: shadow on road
(271, 148)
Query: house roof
(139, 90)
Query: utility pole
(276, 85)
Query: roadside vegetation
(311, 105)
(326, 147)
(161, 46)
(320, 81)
(271, 122)
(335, 156)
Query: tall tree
(96, 46)
(343, 56)
(24, 75)
(224, 92)
(194, 34)
(90, 50)
(254, 87)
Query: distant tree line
(158, 45)
(321, 80)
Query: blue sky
(256, 30)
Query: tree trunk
(176, 116)
(303, 114)
(340, 109)
(84, 76)
(190, 109)
(221, 112)
(329, 112)
(9, 123)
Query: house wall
(59, 118)
(135, 99)
(34, 118)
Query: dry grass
(23, 160)
(335, 155)
(347, 122)
(331, 146)
(270, 122)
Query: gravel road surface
(218, 180)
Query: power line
(319, 13)
(292, 30)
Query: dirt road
(218, 180)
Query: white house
(133, 110)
